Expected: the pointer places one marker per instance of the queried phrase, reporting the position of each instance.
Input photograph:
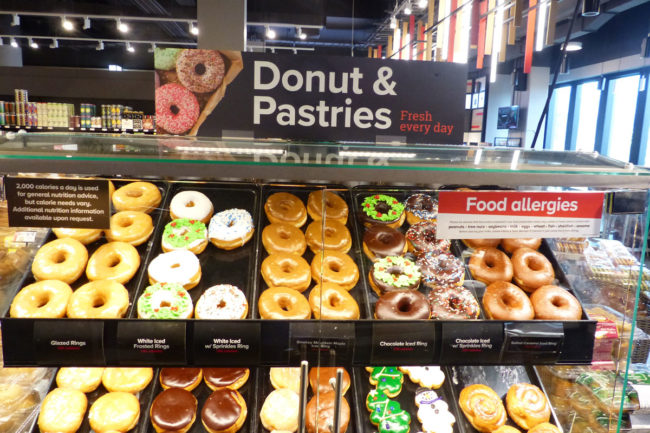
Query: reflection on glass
(644, 158)
(587, 103)
(558, 117)
(619, 117)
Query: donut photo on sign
(189, 85)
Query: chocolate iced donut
(441, 270)
(421, 207)
(453, 303)
(422, 238)
(185, 377)
(233, 378)
(173, 410)
(402, 305)
(224, 410)
(382, 241)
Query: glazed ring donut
(510, 245)
(231, 228)
(85, 236)
(102, 299)
(336, 267)
(137, 196)
(332, 302)
(283, 303)
(283, 238)
(505, 301)
(482, 243)
(402, 305)
(336, 209)
(43, 299)
(555, 303)
(286, 270)
(283, 207)
(200, 71)
(489, 265)
(193, 205)
(117, 261)
(531, 269)
(62, 259)
(130, 226)
(335, 237)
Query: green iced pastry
(165, 301)
(184, 234)
(387, 380)
(381, 209)
(387, 414)
(165, 58)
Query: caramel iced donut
(130, 226)
(62, 259)
(335, 237)
(43, 299)
(531, 269)
(178, 266)
(115, 411)
(286, 270)
(482, 243)
(82, 379)
(510, 245)
(132, 380)
(284, 304)
(117, 261)
(335, 207)
(283, 207)
(137, 196)
(85, 236)
(527, 405)
(101, 299)
(555, 303)
(192, 205)
(335, 267)
(489, 265)
(505, 301)
(62, 411)
(283, 238)
(332, 302)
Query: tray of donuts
(501, 399)
(299, 251)
(203, 257)
(96, 400)
(92, 273)
(412, 273)
(279, 401)
(195, 400)
(403, 399)
(519, 279)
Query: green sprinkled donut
(165, 301)
(381, 208)
(184, 234)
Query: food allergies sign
(307, 97)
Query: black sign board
(471, 342)
(540, 342)
(72, 203)
(330, 342)
(394, 342)
(69, 341)
(226, 343)
(141, 342)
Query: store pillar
(222, 24)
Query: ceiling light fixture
(54, 44)
(270, 33)
(66, 23)
(15, 21)
(32, 43)
(393, 22)
(590, 8)
(1, 42)
(100, 45)
(422, 4)
(13, 43)
(301, 35)
(295, 51)
(407, 8)
(86, 23)
(574, 46)
(122, 27)
(130, 48)
(194, 29)
(152, 48)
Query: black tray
(359, 291)
(202, 392)
(143, 396)
(499, 378)
(218, 266)
(406, 399)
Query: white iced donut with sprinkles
(192, 205)
(223, 301)
(178, 266)
(231, 229)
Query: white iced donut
(223, 301)
(178, 266)
(231, 228)
(192, 205)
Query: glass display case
(285, 275)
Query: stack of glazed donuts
(331, 274)
(529, 270)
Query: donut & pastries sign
(516, 214)
(227, 93)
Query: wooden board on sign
(403, 49)
(550, 22)
(512, 29)
(429, 35)
(489, 33)
(530, 36)
(389, 47)
(442, 29)
(519, 10)
(504, 42)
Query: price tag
(471, 342)
(69, 341)
(540, 342)
(226, 343)
(156, 342)
(402, 343)
(330, 342)
(25, 237)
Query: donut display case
(280, 258)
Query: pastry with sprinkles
(231, 229)
(165, 301)
(382, 209)
(223, 301)
(394, 273)
(441, 270)
(422, 238)
(421, 207)
(185, 234)
(453, 303)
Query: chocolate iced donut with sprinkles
(441, 270)
(231, 229)
(453, 303)
(421, 207)
(422, 238)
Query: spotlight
(301, 34)
(14, 43)
(66, 23)
(422, 4)
(122, 27)
(407, 8)
(15, 21)
(295, 51)
(270, 33)
(590, 8)
(1, 42)
(393, 23)
(130, 48)
(54, 44)
(564, 67)
(152, 48)
(194, 29)
(86, 23)
(574, 46)
(100, 45)
(32, 43)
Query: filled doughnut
(131, 380)
(62, 259)
(223, 301)
(130, 226)
(527, 405)
(187, 378)
(322, 378)
(422, 238)
(230, 229)
(421, 207)
(505, 301)
(41, 300)
(510, 245)
(336, 209)
(85, 236)
(62, 411)
(482, 243)
(402, 305)
(382, 209)
(286, 270)
(191, 205)
(489, 265)
(320, 414)
(382, 241)
(200, 71)
(117, 261)
(224, 411)
(137, 196)
(185, 234)
(335, 267)
(555, 303)
(285, 377)
(177, 109)
(173, 410)
(283, 238)
(453, 303)
(219, 378)
(178, 266)
(165, 301)
(284, 207)
(332, 302)
(531, 269)
(333, 237)
(101, 299)
(440, 269)
(82, 379)
(115, 411)
(393, 273)
(280, 411)
(283, 303)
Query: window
(558, 117)
(622, 95)
(644, 157)
(586, 116)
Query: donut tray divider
(498, 377)
(406, 399)
(264, 388)
(202, 392)
(401, 193)
(359, 291)
(145, 396)
(236, 267)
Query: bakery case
(285, 317)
